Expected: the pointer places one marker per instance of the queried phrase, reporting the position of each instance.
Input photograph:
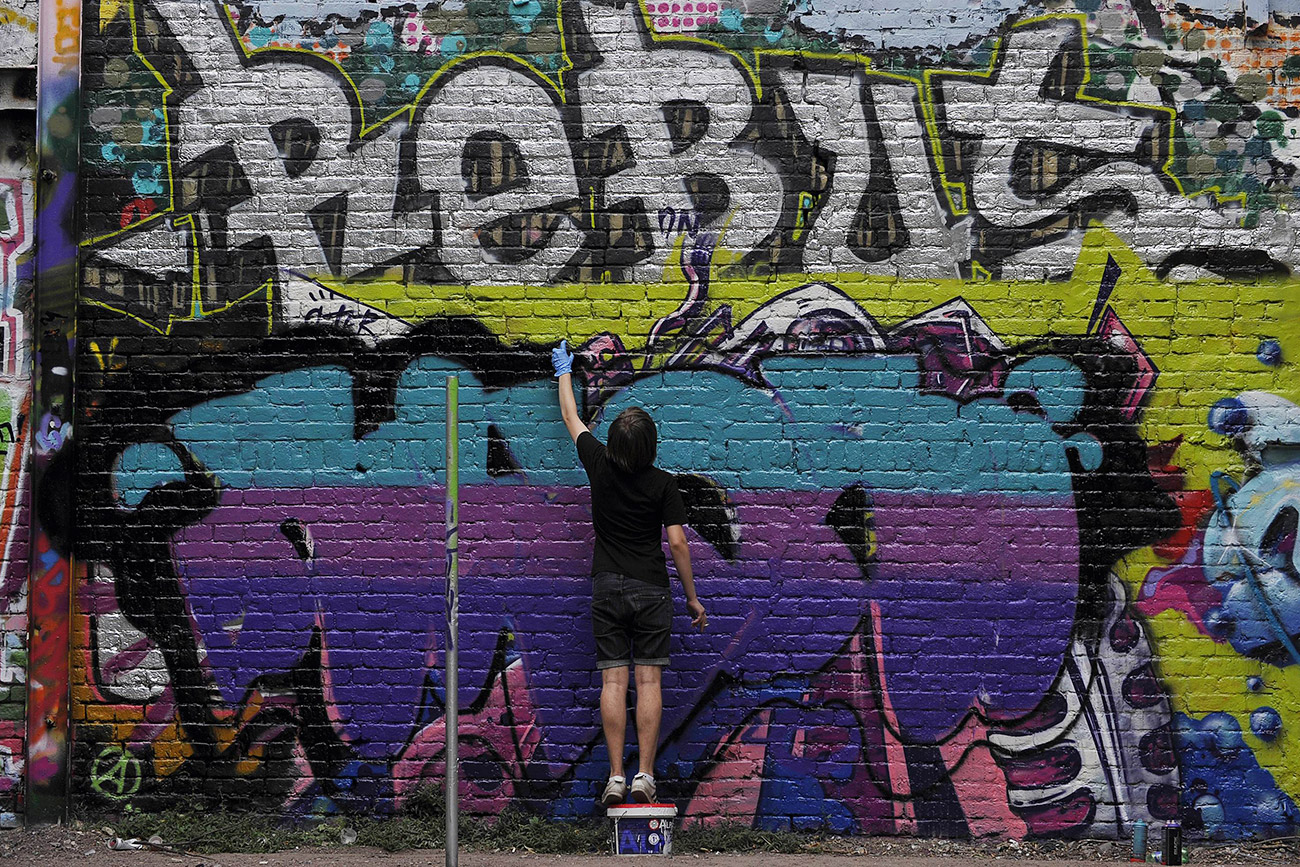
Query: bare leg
(613, 714)
(649, 709)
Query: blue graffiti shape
(1269, 353)
(1250, 543)
(1226, 794)
(1266, 723)
(972, 511)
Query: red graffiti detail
(1194, 505)
(136, 210)
(48, 667)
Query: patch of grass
(396, 833)
(517, 831)
(422, 826)
(511, 830)
(735, 837)
(201, 830)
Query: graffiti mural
(1237, 583)
(15, 379)
(970, 338)
(17, 215)
(18, 33)
(771, 161)
(881, 509)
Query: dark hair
(632, 440)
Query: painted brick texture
(17, 200)
(970, 340)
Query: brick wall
(970, 334)
(17, 201)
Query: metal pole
(453, 615)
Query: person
(631, 605)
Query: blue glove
(562, 359)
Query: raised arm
(682, 560)
(562, 361)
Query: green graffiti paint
(115, 774)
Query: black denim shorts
(631, 620)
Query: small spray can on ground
(1173, 844)
(1139, 841)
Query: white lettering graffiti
(496, 176)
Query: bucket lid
(642, 811)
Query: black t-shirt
(630, 512)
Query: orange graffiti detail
(66, 39)
(1261, 52)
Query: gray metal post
(453, 615)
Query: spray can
(1173, 844)
(1139, 841)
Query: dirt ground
(57, 847)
